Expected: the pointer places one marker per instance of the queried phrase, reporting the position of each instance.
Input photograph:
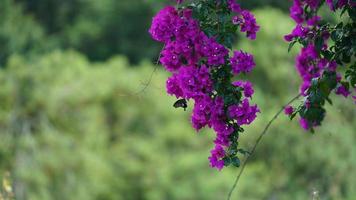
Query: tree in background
(98, 29)
(19, 33)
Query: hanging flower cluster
(197, 40)
(325, 48)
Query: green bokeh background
(75, 124)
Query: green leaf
(291, 45)
(235, 161)
(327, 54)
(293, 115)
(227, 161)
(343, 11)
(329, 100)
(319, 42)
(352, 13)
(337, 34)
(335, 3)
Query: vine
(198, 38)
(327, 50)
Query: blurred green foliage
(19, 33)
(77, 130)
(98, 29)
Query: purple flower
(214, 162)
(296, 11)
(235, 7)
(218, 113)
(202, 111)
(305, 63)
(310, 65)
(186, 28)
(314, 20)
(217, 154)
(194, 81)
(162, 28)
(304, 124)
(218, 123)
(298, 31)
(173, 87)
(249, 24)
(223, 131)
(236, 20)
(170, 57)
(304, 87)
(213, 51)
(288, 110)
(246, 86)
(244, 113)
(332, 66)
(342, 90)
(242, 62)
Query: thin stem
(151, 76)
(256, 144)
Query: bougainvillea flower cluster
(324, 49)
(197, 55)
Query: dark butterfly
(181, 103)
